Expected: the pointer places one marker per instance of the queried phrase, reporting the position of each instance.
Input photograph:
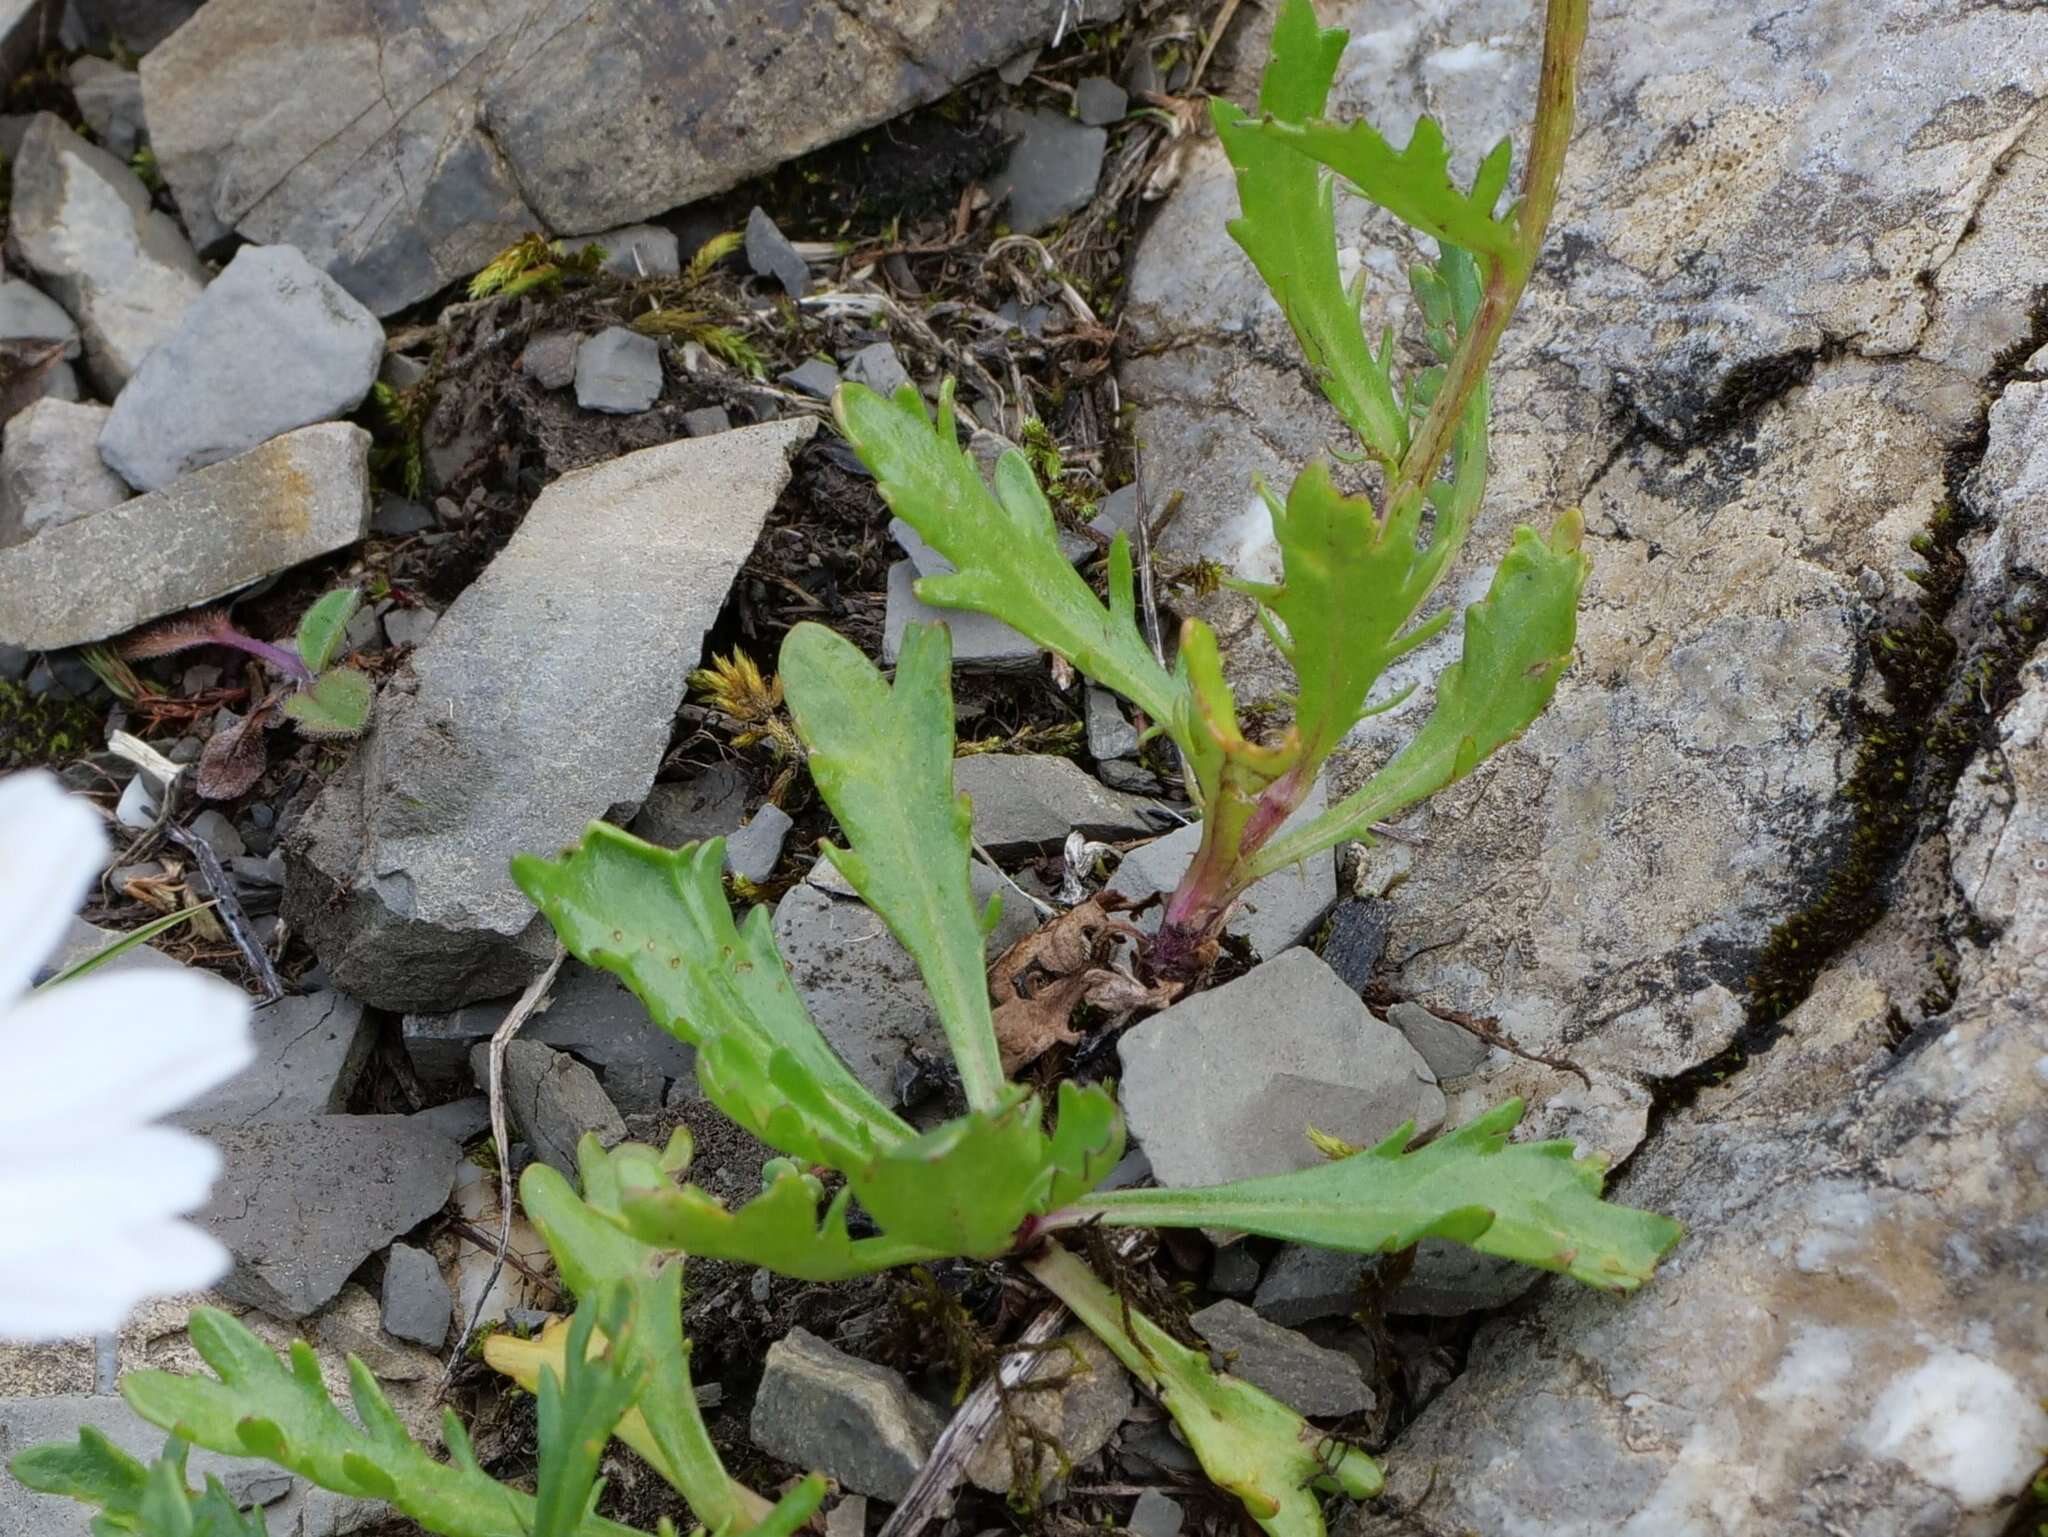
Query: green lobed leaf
(964, 1188)
(323, 626)
(258, 1407)
(1250, 1444)
(1527, 1201)
(1288, 228)
(882, 757)
(1518, 641)
(92, 1470)
(335, 704)
(1414, 183)
(658, 920)
(1004, 547)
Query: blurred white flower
(90, 1193)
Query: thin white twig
(529, 1001)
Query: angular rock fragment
(110, 100)
(50, 469)
(300, 1204)
(1027, 803)
(770, 254)
(1310, 1379)
(753, 851)
(1110, 735)
(83, 223)
(580, 632)
(297, 497)
(273, 344)
(861, 986)
(27, 314)
(552, 1100)
(590, 1014)
(1305, 1283)
(416, 1304)
(309, 1052)
(635, 251)
(878, 366)
(550, 359)
(1051, 172)
(618, 371)
(1099, 101)
(979, 642)
(814, 377)
(1224, 1085)
(708, 805)
(420, 143)
(1450, 1049)
(1072, 1421)
(819, 1407)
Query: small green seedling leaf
(1518, 641)
(1004, 546)
(657, 919)
(336, 704)
(1528, 1201)
(324, 625)
(882, 757)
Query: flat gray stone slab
(297, 497)
(1224, 1085)
(591, 1015)
(770, 255)
(273, 344)
(878, 366)
(862, 987)
(300, 1204)
(421, 141)
(1027, 803)
(1450, 1049)
(541, 701)
(1051, 172)
(309, 1052)
(1310, 1379)
(1305, 1283)
(618, 371)
(83, 223)
(819, 1407)
(979, 642)
(1279, 911)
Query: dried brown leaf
(1038, 983)
(234, 758)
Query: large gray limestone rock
(300, 1204)
(1789, 243)
(542, 700)
(1224, 1085)
(1850, 1337)
(273, 344)
(401, 148)
(83, 222)
(300, 496)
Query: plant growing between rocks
(1357, 569)
(323, 698)
(1005, 1179)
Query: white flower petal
(51, 845)
(92, 1286)
(56, 1198)
(109, 1051)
